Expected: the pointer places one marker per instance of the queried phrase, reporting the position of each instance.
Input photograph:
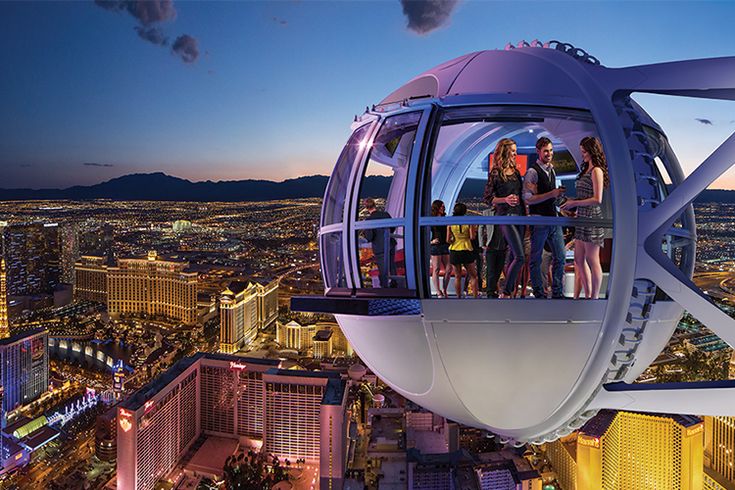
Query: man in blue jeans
(540, 193)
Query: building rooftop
(40, 437)
(21, 336)
(238, 286)
(146, 392)
(335, 392)
(323, 335)
(598, 425)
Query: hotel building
(32, 255)
(624, 450)
(240, 315)
(719, 446)
(322, 344)
(154, 287)
(4, 322)
(267, 303)
(295, 336)
(294, 414)
(302, 338)
(90, 283)
(25, 368)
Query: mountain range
(161, 187)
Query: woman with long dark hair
(504, 192)
(439, 251)
(588, 240)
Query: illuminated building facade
(118, 377)
(32, 258)
(90, 283)
(238, 316)
(504, 474)
(294, 414)
(322, 344)
(295, 336)
(267, 303)
(25, 367)
(105, 435)
(625, 450)
(154, 287)
(719, 446)
(340, 344)
(4, 322)
(69, 235)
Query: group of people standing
(536, 194)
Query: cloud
(282, 22)
(425, 16)
(152, 34)
(150, 13)
(147, 12)
(187, 48)
(95, 164)
(706, 122)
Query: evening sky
(268, 89)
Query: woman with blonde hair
(588, 240)
(504, 192)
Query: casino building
(292, 414)
(153, 286)
(25, 367)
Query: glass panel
(385, 175)
(333, 264)
(463, 153)
(381, 255)
(337, 188)
(492, 257)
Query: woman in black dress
(439, 251)
(588, 240)
(504, 192)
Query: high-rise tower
(4, 324)
(626, 450)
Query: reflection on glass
(381, 257)
(333, 263)
(387, 168)
(335, 196)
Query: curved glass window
(334, 199)
(384, 179)
(381, 258)
(333, 263)
(458, 171)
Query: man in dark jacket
(540, 193)
(384, 246)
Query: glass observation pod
(527, 370)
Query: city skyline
(219, 92)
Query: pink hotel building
(296, 414)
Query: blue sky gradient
(276, 84)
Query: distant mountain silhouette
(161, 187)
